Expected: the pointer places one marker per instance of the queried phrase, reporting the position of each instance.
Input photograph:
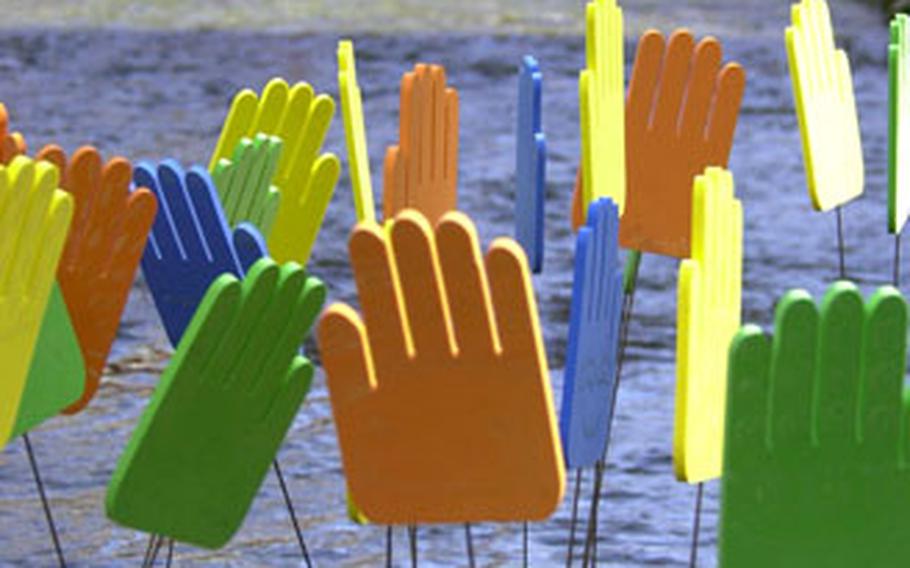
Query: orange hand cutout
(421, 172)
(681, 113)
(441, 395)
(11, 144)
(106, 239)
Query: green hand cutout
(221, 410)
(54, 382)
(815, 464)
(244, 182)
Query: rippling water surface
(151, 94)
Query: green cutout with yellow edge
(816, 456)
(57, 379)
(244, 182)
(221, 410)
(898, 124)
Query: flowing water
(152, 83)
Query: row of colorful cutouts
(440, 389)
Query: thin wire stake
(470, 544)
(44, 503)
(412, 540)
(388, 546)
(159, 540)
(291, 513)
(696, 525)
(170, 553)
(574, 521)
(524, 544)
(590, 550)
(148, 549)
(591, 535)
(897, 260)
(840, 242)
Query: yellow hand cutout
(355, 133)
(602, 104)
(823, 91)
(304, 178)
(708, 318)
(34, 219)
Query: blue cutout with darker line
(594, 319)
(191, 243)
(530, 168)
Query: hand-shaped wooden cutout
(681, 113)
(823, 91)
(600, 86)
(222, 408)
(12, 144)
(191, 243)
(899, 124)
(707, 318)
(106, 240)
(355, 132)
(421, 172)
(530, 167)
(304, 178)
(594, 318)
(441, 394)
(815, 465)
(34, 219)
(245, 182)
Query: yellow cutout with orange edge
(355, 132)
(34, 218)
(825, 106)
(708, 317)
(602, 106)
(441, 394)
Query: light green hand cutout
(815, 464)
(244, 182)
(222, 408)
(56, 380)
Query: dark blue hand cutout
(191, 243)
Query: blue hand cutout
(587, 398)
(191, 243)
(530, 169)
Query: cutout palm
(681, 114)
(355, 132)
(587, 399)
(105, 243)
(899, 124)
(441, 394)
(305, 179)
(530, 166)
(421, 172)
(223, 406)
(191, 243)
(34, 219)
(245, 182)
(825, 106)
(708, 317)
(815, 465)
(600, 87)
